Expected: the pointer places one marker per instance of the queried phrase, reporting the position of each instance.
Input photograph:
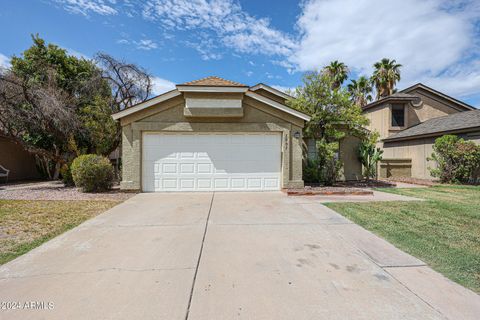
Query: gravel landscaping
(341, 188)
(55, 190)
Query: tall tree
(130, 84)
(360, 91)
(385, 76)
(337, 71)
(57, 105)
(333, 116)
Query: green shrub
(66, 174)
(312, 172)
(369, 156)
(458, 161)
(92, 173)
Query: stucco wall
(431, 107)
(14, 158)
(169, 117)
(348, 155)
(418, 151)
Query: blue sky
(274, 42)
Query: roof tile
(213, 82)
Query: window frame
(404, 107)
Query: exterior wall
(348, 154)
(20, 163)
(418, 150)
(431, 106)
(169, 117)
(379, 118)
(352, 167)
(395, 168)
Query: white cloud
(76, 53)
(84, 7)
(287, 90)
(458, 81)
(426, 38)
(145, 44)
(232, 26)
(4, 62)
(161, 85)
(206, 47)
(436, 41)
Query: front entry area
(211, 161)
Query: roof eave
(432, 134)
(277, 105)
(387, 99)
(148, 103)
(271, 90)
(441, 94)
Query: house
(13, 157)
(212, 134)
(409, 122)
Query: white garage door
(205, 162)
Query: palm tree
(385, 76)
(360, 90)
(338, 71)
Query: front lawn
(25, 225)
(443, 231)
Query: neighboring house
(212, 134)
(14, 158)
(409, 122)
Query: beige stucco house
(212, 134)
(409, 122)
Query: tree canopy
(58, 106)
(333, 116)
(385, 77)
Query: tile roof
(452, 122)
(213, 81)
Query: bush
(369, 155)
(325, 168)
(312, 172)
(66, 173)
(92, 173)
(458, 161)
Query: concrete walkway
(226, 256)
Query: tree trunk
(56, 171)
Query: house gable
(421, 104)
(437, 98)
(253, 112)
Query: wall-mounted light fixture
(296, 134)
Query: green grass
(443, 231)
(25, 225)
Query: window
(398, 115)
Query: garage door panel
(205, 162)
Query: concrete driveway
(225, 256)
